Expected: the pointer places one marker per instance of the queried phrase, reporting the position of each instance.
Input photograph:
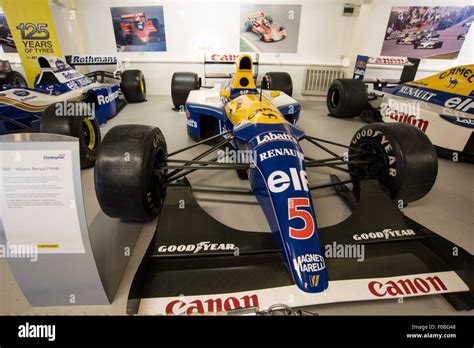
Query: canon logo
(212, 305)
(404, 287)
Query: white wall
(195, 26)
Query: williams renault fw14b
(196, 264)
(441, 106)
(64, 101)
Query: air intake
(317, 79)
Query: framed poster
(269, 28)
(139, 28)
(427, 31)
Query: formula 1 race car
(428, 43)
(85, 101)
(441, 105)
(462, 36)
(136, 29)
(196, 264)
(409, 39)
(263, 26)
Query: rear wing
(90, 60)
(410, 66)
(132, 15)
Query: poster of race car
(269, 28)
(6, 39)
(139, 29)
(427, 31)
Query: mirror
(274, 94)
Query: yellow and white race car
(441, 105)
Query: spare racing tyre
(128, 181)
(133, 86)
(279, 81)
(347, 98)
(401, 157)
(57, 119)
(181, 84)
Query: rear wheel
(57, 120)
(347, 98)
(280, 81)
(129, 183)
(402, 159)
(133, 86)
(181, 84)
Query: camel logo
(452, 82)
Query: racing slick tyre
(13, 78)
(439, 45)
(280, 81)
(156, 25)
(347, 98)
(133, 86)
(129, 183)
(85, 128)
(401, 157)
(181, 84)
(248, 26)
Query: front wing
(196, 264)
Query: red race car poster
(427, 31)
(139, 29)
(269, 28)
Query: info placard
(38, 201)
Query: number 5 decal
(295, 210)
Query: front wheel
(400, 156)
(133, 86)
(129, 181)
(81, 124)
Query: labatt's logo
(265, 138)
(403, 287)
(212, 305)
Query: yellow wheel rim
(89, 134)
(142, 85)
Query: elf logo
(279, 181)
(458, 103)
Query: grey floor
(448, 210)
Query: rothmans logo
(196, 248)
(265, 138)
(93, 60)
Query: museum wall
(194, 28)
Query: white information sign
(38, 203)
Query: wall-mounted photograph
(139, 29)
(269, 28)
(6, 39)
(427, 31)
